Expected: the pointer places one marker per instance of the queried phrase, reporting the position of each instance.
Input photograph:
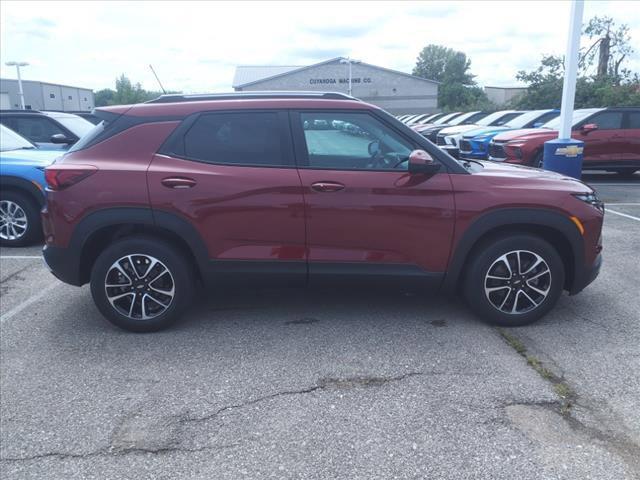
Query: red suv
(611, 139)
(303, 188)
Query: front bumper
(587, 276)
(63, 263)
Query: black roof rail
(172, 98)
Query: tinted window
(236, 138)
(347, 141)
(607, 120)
(634, 120)
(504, 119)
(36, 129)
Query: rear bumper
(63, 263)
(587, 276)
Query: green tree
(613, 44)
(457, 90)
(609, 84)
(126, 93)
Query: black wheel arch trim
(70, 270)
(516, 217)
(17, 183)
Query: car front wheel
(141, 284)
(514, 280)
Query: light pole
(20, 91)
(349, 61)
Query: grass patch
(559, 385)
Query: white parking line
(28, 302)
(623, 215)
(13, 257)
(624, 204)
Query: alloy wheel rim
(139, 286)
(13, 220)
(517, 282)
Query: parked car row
(611, 136)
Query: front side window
(243, 138)
(37, 129)
(352, 141)
(607, 120)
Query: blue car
(474, 144)
(21, 188)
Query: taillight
(59, 177)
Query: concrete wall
(392, 91)
(47, 96)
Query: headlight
(591, 199)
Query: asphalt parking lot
(316, 384)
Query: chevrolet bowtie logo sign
(570, 151)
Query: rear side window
(238, 138)
(634, 120)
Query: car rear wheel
(514, 280)
(141, 284)
(538, 161)
(19, 220)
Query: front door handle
(178, 182)
(327, 186)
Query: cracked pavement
(322, 384)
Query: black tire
(626, 172)
(181, 277)
(486, 259)
(538, 160)
(33, 232)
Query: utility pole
(20, 91)
(349, 61)
(564, 154)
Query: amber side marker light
(578, 223)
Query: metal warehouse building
(397, 92)
(45, 96)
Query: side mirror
(589, 127)
(374, 148)
(421, 162)
(60, 138)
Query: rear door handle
(327, 186)
(178, 182)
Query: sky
(195, 46)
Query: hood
(425, 127)
(484, 131)
(525, 134)
(457, 129)
(496, 173)
(35, 157)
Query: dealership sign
(333, 81)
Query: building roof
(290, 69)
(44, 83)
(251, 73)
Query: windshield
(462, 118)
(79, 126)
(446, 118)
(489, 119)
(578, 116)
(10, 140)
(521, 121)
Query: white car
(491, 120)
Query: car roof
(181, 109)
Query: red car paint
(274, 214)
(604, 148)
